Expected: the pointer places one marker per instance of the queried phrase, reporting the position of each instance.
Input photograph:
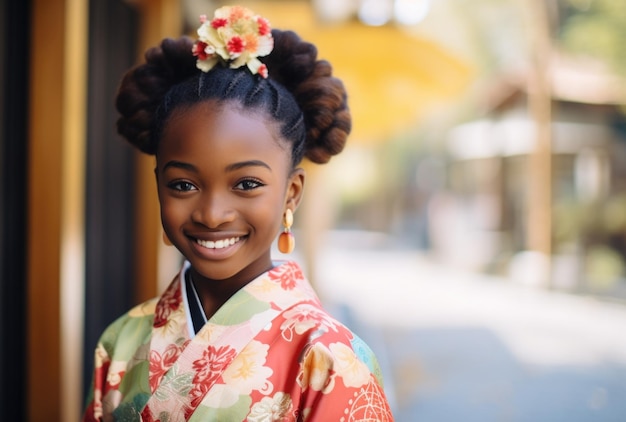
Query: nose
(213, 209)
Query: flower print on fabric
(283, 358)
(305, 317)
(368, 404)
(161, 363)
(270, 291)
(208, 369)
(115, 374)
(287, 275)
(276, 408)
(101, 371)
(348, 366)
(210, 332)
(316, 369)
(170, 302)
(247, 372)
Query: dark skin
(225, 179)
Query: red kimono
(270, 353)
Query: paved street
(467, 347)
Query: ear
(295, 189)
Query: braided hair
(300, 94)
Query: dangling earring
(286, 241)
(166, 239)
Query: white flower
(349, 367)
(271, 408)
(316, 369)
(247, 373)
(236, 36)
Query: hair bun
(321, 97)
(143, 87)
(293, 63)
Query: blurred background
(473, 231)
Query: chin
(215, 273)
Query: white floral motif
(247, 373)
(349, 367)
(101, 356)
(316, 369)
(304, 318)
(210, 332)
(269, 409)
(171, 326)
(270, 291)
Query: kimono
(270, 353)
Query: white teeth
(218, 244)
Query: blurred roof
(582, 80)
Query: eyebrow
(180, 165)
(250, 163)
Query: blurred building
(489, 182)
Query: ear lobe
(295, 188)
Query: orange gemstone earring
(286, 241)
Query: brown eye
(181, 186)
(248, 184)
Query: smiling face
(224, 182)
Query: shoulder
(332, 342)
(338, 374)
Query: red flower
(236, 45)
(219, 22)
(263, 71)
(169, 302)
(212, 363)
(146, 415)
(199, 50)
(208, 369)
(289, 273)
(160, 364)
(264, 26)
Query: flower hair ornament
(235, 37)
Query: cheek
(264, 213)
(274, 215)
(172, 213)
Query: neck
(214, 293)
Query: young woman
(236, 336)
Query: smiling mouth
(218, 244)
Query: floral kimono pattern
(270, 353)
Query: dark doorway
(14, 72)
(113, 25)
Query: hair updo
(300, 94)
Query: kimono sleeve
(116, 349)
(343, 383)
